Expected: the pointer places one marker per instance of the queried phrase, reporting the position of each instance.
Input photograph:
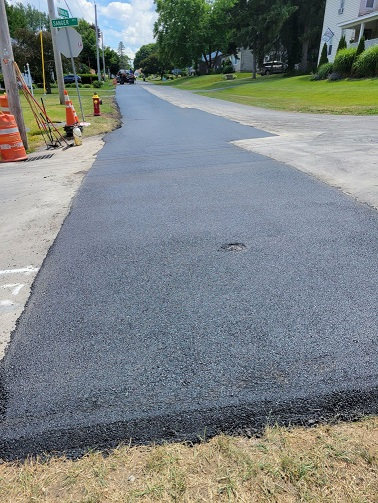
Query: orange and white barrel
(11, 146)
(4, 106)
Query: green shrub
(325, 70)
(88, 78)
(361, 46)
(342, 44)
(97, 84)
(228, 69)
(86, 86)
(323, 56)
(344, 61)
(366, 65)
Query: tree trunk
(254, 71)
(304, 59)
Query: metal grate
(39, 157)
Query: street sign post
(62, 23)
(63, 12)
(70, 44)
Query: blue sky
(130, 21)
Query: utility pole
(9, 74)
(97, 49)
(57, 58)
(103, 54)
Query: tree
(257, 25)
(216, 30)
(188, 29)
(88, 34)
(27, 17)
(178, 30)
(111, 60)
(342, 44)
(152, 65)
(361, 46)
(310, 20)
(324, 56)
(124, 60)
(143, 53)
(27, 49)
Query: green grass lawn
(357, 97)
(108, 120)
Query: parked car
(273, 67)
(70, 79)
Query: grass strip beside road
(107, 121)
(323, 464)
(299, 94)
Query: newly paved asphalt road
(142, 324)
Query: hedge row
(348, 63)
(87, 78)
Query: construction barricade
(11, 146)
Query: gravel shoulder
(341, 150)
(35, 199)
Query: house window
(341, 8)
(329, 49)
(369, 4)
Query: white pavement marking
(6, 303)
(16, 287)
(24, 270)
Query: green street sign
(62, 23)
(63, 12)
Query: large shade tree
(187, 30)
(143, 53)
(258, 24)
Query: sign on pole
(62, 23)
(63, 12)
(72, 42)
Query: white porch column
(361, 31)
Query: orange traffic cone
(11, 146)
(75, 114)
(4, 107)
(70, 116)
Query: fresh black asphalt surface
(143, 324)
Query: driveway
(341, 150)
(195, 287)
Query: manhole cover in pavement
(233, 247)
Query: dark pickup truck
(125, 77)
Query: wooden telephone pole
(10, 80)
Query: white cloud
(135, 20)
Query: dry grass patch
(335, 464)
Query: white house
(352, 18)
(243, 61)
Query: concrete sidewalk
(341, 150)
(35, 198)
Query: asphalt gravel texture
(194, 288)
